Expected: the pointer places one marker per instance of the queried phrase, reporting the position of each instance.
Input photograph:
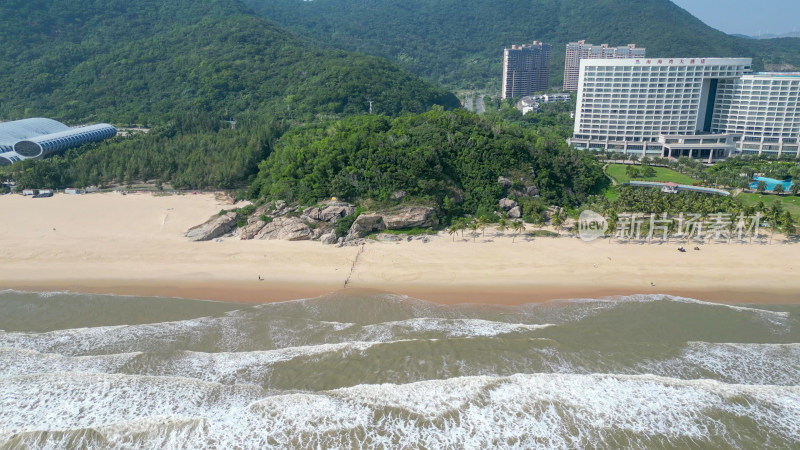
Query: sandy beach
(134, 244)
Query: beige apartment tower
(576, 51)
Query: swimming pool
(771, 183)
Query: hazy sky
(750, 17)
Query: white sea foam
(447, 327)
(778, 318)
(224, 367)
(231, 332)
(41, 294)
(16, 361)
(741, 363)
(523, 411)
(242, 331)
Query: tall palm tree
(453, 230)
(460, 224)
(502, 225)
(518, 226)
(558, 218)
(483, 222)
(787, 224)
(778, 189)
(538, 219)
(473, 226)
(795, 188)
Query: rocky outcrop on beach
(364, 225)
(279, 220)
(410, 217)
(335, 211)
(286, 228)
(251, 229)
(213, 228)
(329, 238)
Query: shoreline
(270, 291)
(135, 245)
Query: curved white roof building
(39, 137)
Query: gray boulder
(251, 229)
(312, 213)
(364, 225)
(515, 212)
(505, 182)
(318, 229)
(286, 228)
(409, 217)
(213, 227)
(336, 211)
(507, 204)
(386, 237)
(329, 239)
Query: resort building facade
(763, 109)
(39, 137)
(651, 107)
(526, 69)
(577, 51)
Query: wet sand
(134, 245)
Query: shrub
(246, 211)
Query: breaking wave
(534, 410)
(378, 371)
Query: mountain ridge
(144, 61)
(463, 41)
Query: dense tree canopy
(146, 61)
(182, 67)
(449, 159)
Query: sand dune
(134, 244)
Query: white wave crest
(235, 331)
(524, 411)
(15, 361)
(768, 364)
(447, 327)
(773, 317)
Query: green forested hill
(459, 43)
(450, 159)
(180, 66)
(145, 61)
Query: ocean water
(369, 370)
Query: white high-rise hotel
(705, 108)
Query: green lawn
(790, 202)
(617, 171)
(611, 193)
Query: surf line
(353, 264)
